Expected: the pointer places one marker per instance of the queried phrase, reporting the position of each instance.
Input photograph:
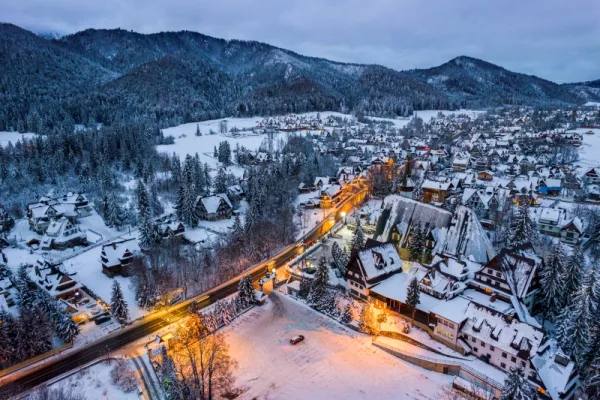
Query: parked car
(102, 319)
(296, 339)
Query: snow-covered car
(296, 339)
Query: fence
(442, 365)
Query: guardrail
(478, 375)
(33, 360)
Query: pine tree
(574, 329)
(245, 297)
(319, 283)
(116, 215)
(413, 296)
(220, 183)
(516, 386)
(118, 304)
(304, 289)
(346, 315)
(66, 328)
(553, 284)
(573, 274)
(358, 241)
(416, 244)
(180, 203)
(189, 215)
(198, 133)
(144, 214)
(340, 258)
(523, 232)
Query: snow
(331, 363)
(94, 382)
(13, 137)
(589, 152)
(89, 272)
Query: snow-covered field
(590, 149)
(13, 137)
(332, 362)
(95, 383)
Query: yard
(333, 362)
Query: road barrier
(33, 360)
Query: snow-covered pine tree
(413, 296)
(516, 386)
(190, 217)
(358, 240)
(173, 388)
(340, 258)
(553, 283)
(216, 153)
(523, 231)
(198, 133)
(592, 382)
(155, 205)
(573, 274)
(304, 287)
(346, 317)
(66, 328)
(7, 336)
(245, 296)
(118, 304)
(220, 182)
(319, 282)
(180, 203)
(116, 215)
(574, 329)
(417, 243)
(144, 217)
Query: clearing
(333, 362)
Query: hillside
(476, 83)
(175, 77)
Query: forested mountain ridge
(174, 77)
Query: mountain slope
(477, 83)
(590, 91)
(173, 77)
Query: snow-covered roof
(113, 253)
(509, 334)
(211, 203)
(379, 260)
(465, 237)
(453, 310)
(554, 368)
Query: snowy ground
(95, 383)
(13, 137)
(332, 362)
(589, 152)
(89, 272)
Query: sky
(557, 40)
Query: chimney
(493, 297)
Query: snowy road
(332, 363)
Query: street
(30, 378)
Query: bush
(123, 376)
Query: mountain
(477, 83)
(174, 77)
(590, 91)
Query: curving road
(28, 379)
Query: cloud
(554, 39)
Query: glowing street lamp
(343, 215)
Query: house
(171, 228)
(371, 265)
(460, 163)
(434, 191)
(72, 206)
(551, 187)
(61, 234)
(331, 195)
(592, 175)
(214, 207)
(513, 275)
(116, 257)
(54, 281)
(558, 223)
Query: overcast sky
(554, 39)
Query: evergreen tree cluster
(39, 310)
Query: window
(475, 349)
(503, 355)
(483, 344)
(503, 365)
(473, 340)
(513, 359)
(498, 274)
(491, 348)
(523, 364)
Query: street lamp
(343, 215)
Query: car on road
(296, 339)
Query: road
(27, 380)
